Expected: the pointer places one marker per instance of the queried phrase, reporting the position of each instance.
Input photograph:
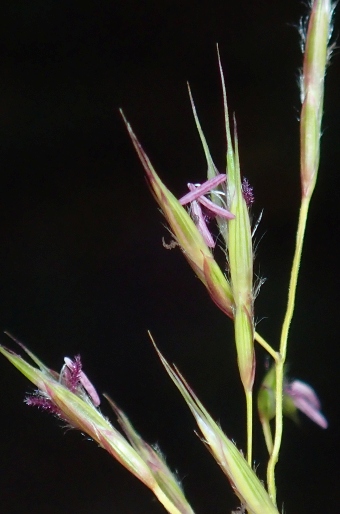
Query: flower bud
(316, 56)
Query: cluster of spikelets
(71, 397)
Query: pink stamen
(196, 197)
(300, 389)
(89, 387)
(315, 415)
(211, 206)
(202, 189)
(200, 222)
(306, 400)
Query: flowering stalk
(70, 395)
(316, 55)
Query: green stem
(249, 403)
(283, 346)
(266, 346)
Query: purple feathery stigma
(247, 192)
(38, 399)
(70, 373)
(73, 376)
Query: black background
(83, 268)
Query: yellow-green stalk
(316, 56)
